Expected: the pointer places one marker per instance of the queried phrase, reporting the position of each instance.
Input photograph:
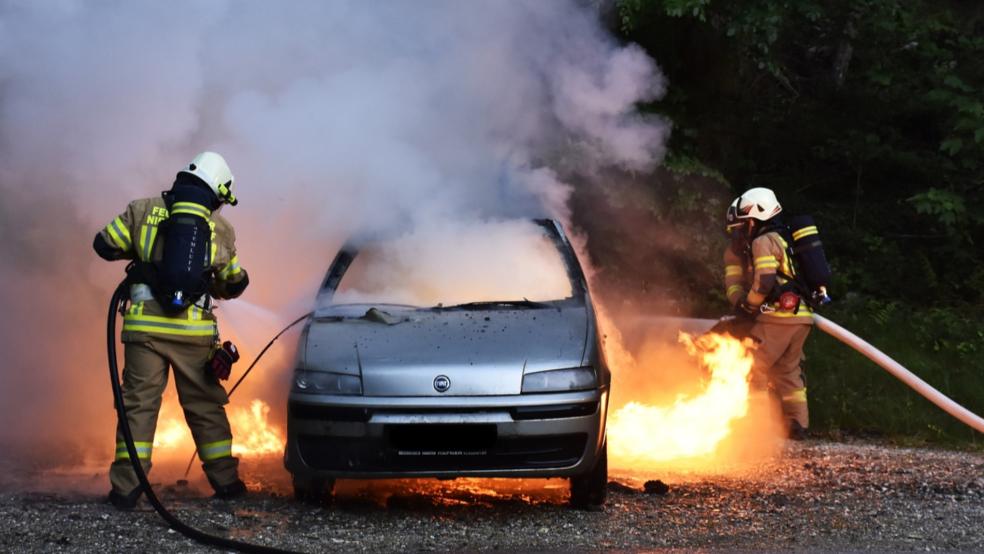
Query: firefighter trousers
(777, 366)
(202, 399)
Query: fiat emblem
(442, 383)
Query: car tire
(313, 491)
(590, 490)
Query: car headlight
(323, 382)
(560, 380)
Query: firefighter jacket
(133, 236)
(754, 276)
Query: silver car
(391, 384)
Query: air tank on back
(810, 257)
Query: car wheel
(313, 491)
(591, 489)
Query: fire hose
(728, 324)
(896, 369)
(118, 301)
(249, 369)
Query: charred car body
(503, 387)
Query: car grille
(441, 448)
(520, 413)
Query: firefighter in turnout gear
(759, 275)
(164, 328)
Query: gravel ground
(819, 496)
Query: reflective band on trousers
(805, 232)
(215, 450)
(732, 270)
(798, 396)
(168, 326)
(734, 289)
(143, 450)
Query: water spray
(974, 421)
(249, 369)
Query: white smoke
(336, 118)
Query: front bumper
(537, 435)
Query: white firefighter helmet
(213, 170)
(757, 203)
(732, 217)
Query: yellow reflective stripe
(190, 208)
(168, 326)
(733, 289)
(732, 270)
(797, 396)
(804, 311)
(211, 256)
(232, 268)
(119, 233)
(805, 232)
(144, 450)
(148, 234)
(118, 223)
(143, 242)
(766, 262)
(215, 450)
(150, 243)
(138, 444)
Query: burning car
(465, 353)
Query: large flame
(641, 435)
(253, 435)
(252, 432)
(171, 433)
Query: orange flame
(171, 433)
(641, 435)
(251, 430)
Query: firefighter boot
(796, 431)
(233, 490)
(125, 502)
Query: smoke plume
(337, 118)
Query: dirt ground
(818, 496)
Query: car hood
(481, 352)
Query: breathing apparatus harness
(182, 276)
(117, 305)
(811, 272)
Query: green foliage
(868, 114)
(850, 393)
(683, 166)
(947, 208)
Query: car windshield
(513, 262)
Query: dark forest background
(867, 114)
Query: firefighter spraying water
(183, 254)
(776, 277)
(773, 297)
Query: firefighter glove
(220, 363)
(745, 310)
